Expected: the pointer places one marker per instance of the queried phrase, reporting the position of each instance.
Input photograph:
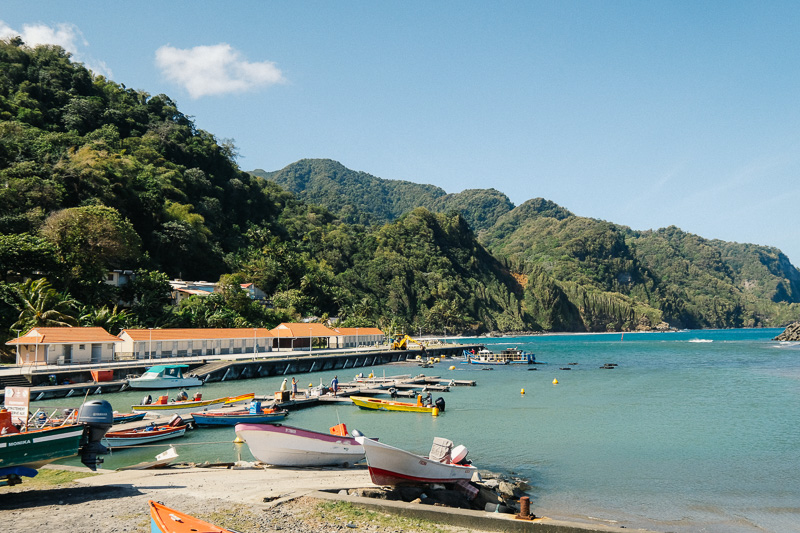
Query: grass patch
(344, 512)
(50, 478)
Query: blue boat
(121, 418)
(255, 415)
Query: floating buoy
(522, 392)
(435, 411)
(436, 360)
(452, 367)
(310, 385)
(238, 440)
(555, 381)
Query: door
(97, 353)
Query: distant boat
(144, 435)
(244, 416)
(391, 405)
(289, 446)
(166, 520)
(701, 340)
(164, 377)
(392, 466)
(512, 356)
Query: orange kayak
(166, 520)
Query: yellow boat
(241, 398)
(391, 405)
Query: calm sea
(692, 431)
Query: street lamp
(356, 338)
(309, 340)
(150, 347)
(255, 343)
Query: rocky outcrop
(791, 333)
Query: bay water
(691, 431)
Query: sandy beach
(248, 499)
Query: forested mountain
(95, 176)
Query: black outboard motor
(182, 396)
(147, 400)
(97, 416)
(440, 404)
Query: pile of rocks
(493, 493)
(791, 333)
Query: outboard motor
(176, 421)
(147, 400)
(440, 404)
(97, 416)
(182, 396)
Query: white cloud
(64, 34)
(214, 70)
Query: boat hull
(164, 383)
(166, 520)
(387, 405)
(128, 417)
(392, 466)
(34, 449)
(231, 419)
(181, 408)
(288, 446)
(119, 439)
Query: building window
(81, 346)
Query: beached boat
(23, 452)
(244, 416)
(164, 377)
(144, 435)
(289, 446)
(162, 407)
(392, 405)
(392, 466)
(513, 356)
(166, 520)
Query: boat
(280, 445)
(241, 398)
(513, 356)
(166, 520)
(392, 466)
(145, 435)
(24, 451)
(392, 405)
(121, 418)
(164, 377)
(163, 407)
(240, 416)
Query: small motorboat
(121, 418)
(392, 466)
(163, 407)
(392, 405)
(164, 377)
(230, 417)
(289, 446)
(145, 435)
(166, 520)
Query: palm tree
(42, 306)
(112, 320)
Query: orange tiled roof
(175, 334)
(299, 329)
(65, 335)
(359, 331)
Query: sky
(645, 114)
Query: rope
(183, 444)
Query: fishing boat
(145, 435)
(241, 398)
(163, 407)
(23, 451)
(392, 466)
(166, 520)
(392, 405)
(240, 416)
(121, 418)
(513, 356)
(164, 377)
(281, 445)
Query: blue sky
(643, 114)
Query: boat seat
(440, 451)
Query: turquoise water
(683, 435)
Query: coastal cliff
(791, 333)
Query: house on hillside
(164, 343)
(296, 335)
(355, 337)
(57, 346)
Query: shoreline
(117, 501)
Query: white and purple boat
(280, 445)
(392, 466)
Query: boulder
(791, 333)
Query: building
(355, 337)
(164, 343)
(58, 346)
(296, 335)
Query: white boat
(281, 445)
(392, 466)
(164, 377)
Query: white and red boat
(392, 466)
(280, 445)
